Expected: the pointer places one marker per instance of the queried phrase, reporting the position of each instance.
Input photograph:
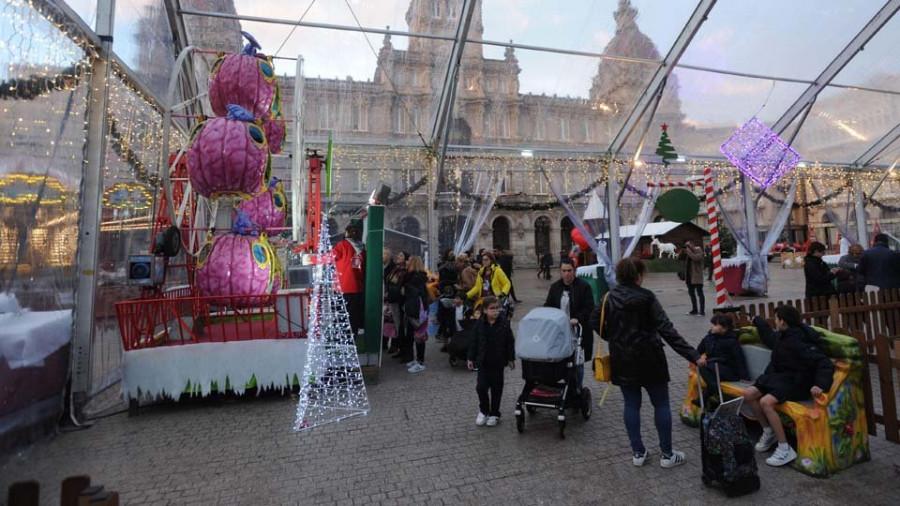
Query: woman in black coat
(415, 298)
(818, 276)
(636, 326)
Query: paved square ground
(420, 445)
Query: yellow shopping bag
(602, 370)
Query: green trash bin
(597, 281)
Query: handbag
(602, 364)
(420, 334)
(388, 330)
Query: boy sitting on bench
(797, 369)
(721, 347)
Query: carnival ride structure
(219, 216)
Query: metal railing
(179, 318)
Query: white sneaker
(417, 367)
(638, 458)
(766, 442)
(410, 364)
(781, 457)
(492, 421)
(676, 459)
(480, 419)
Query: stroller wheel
(562, 430)
(585, 404)
(531, 410)
(520, 422)
(453, 361)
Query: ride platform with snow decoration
(229, 324)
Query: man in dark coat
(798, 368)
(818, 276)
(575, 297)
(505, 261)
(880, 266)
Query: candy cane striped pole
(712, 218)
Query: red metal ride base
(313, 203)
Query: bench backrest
(757, 359)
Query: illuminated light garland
(133, 196)
(881, 205)
(36, 86)
(16, 189)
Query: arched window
(541, 235)
(565, 233)
(501, 233)
(409, 225)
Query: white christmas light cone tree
(333, 388)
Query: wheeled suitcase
(727, 454)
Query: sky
(790, 38)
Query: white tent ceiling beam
(441, 119)
(883, 143)
(189, 86)
(440, 131)
(668, 65)
(840, 61)
(782, 79)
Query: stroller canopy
(545, 335)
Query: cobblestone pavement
(420, 446)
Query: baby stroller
(549, 349)
(458, 347)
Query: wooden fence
(873, 318)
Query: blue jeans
(662, 416)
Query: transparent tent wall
(129, 191)
(44, 81)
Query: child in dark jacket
(798, 368)
(721, 347)
(492, 348)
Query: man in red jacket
(350, 262)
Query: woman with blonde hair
(415, 298)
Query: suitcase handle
(700, 385)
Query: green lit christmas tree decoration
(332, 384)
(665, 149)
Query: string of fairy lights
(50, 59)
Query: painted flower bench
(831, 429)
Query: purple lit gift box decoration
(759, 153)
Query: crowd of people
(475, 292)
(420, 305)
(875, 268)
